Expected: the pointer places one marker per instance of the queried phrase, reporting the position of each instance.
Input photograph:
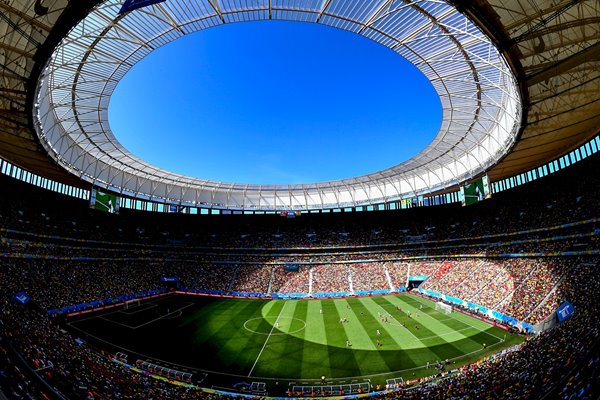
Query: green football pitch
(226, 340)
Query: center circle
(274, 102)
(271, 326)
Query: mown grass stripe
(244, 347)
(371, 314)
(268, 353)
(315, 360)
(389, 355)
(341, 359)
(459, 342)
(480, 332)
(219, 316)
(221, 330)
(437, 345)
(429, 309)
(367, 354)
(356, 333)
(284, 353)
(214, 338)
(443, 327)
(411, 324)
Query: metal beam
(592, 53)
(25, 17)
(18, 29)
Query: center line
(268, 337)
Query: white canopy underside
(478, 93)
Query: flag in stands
(131, 5)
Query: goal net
(131, 304)
(443, 307)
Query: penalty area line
(268, 337)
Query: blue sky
(274, 102)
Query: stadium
(466, 271)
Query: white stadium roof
(479, 97)
(517, 79)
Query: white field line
(466, 323)
(268, 337)
(265, 377)
(138, 309)
(163, 316)
(148, 322)
(481, 330)
(448, 333)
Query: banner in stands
(22, 298)
(292, 267)
(169, 278)
(131, 5)
(418, 278)
(174, 208)
(565, 311)
(285, 296)
(291, 214)
(105, 302)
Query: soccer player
(378, 333)
(348, 344)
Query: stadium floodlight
(480, 100)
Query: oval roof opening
(274, 102)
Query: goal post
(131, 304)
(443, 307)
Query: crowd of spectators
(369, 276)
(67, 254)
(330, 278)
(451, 276)
(290, 281)
(569, 196)
(552, 364)
(430, 269)
(398, 273)
(554, 298)
(495, 289)
(213, 277)
(80, 370)
(524, 288)
(481, 283)
(252, 278)
(58, 283)
(533, 290)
